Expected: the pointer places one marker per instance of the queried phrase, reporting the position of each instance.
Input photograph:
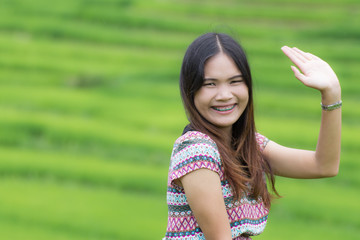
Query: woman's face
(224, 95)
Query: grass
(90, 108)
(60, 208)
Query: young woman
(217, 176)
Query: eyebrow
(215, 79)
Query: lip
(223, 109)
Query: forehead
(220, 66)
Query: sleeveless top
(195, 150)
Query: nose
(224, 93)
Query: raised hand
(324, 161)
(314, 73)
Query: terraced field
(90, 107)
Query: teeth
(223, 109)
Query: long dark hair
(243, 162)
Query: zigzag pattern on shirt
(195, 150)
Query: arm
(324, 162)
(203, 191)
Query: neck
(227, 134)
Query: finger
(306, 55)
(298, 74)
(314, 57)
(300, 54)
(293, 56)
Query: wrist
(331, 96)
(331, 107)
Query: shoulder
(194, 143)
(193, 138)
(261, 140)
(195, 150)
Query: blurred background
(90, 108)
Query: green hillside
(90, 108)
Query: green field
(90, 108)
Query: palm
(315, 73)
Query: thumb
(298, 74)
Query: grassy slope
(90, 108)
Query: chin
(225, 125)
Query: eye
(236, 81)
(208, 84)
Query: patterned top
(195, 150)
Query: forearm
(329, 142)
(315, 73)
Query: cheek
(246, 97)
(243, 94)
(197, 102)
(200, 99)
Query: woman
(217, 186)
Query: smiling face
(224, 95)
